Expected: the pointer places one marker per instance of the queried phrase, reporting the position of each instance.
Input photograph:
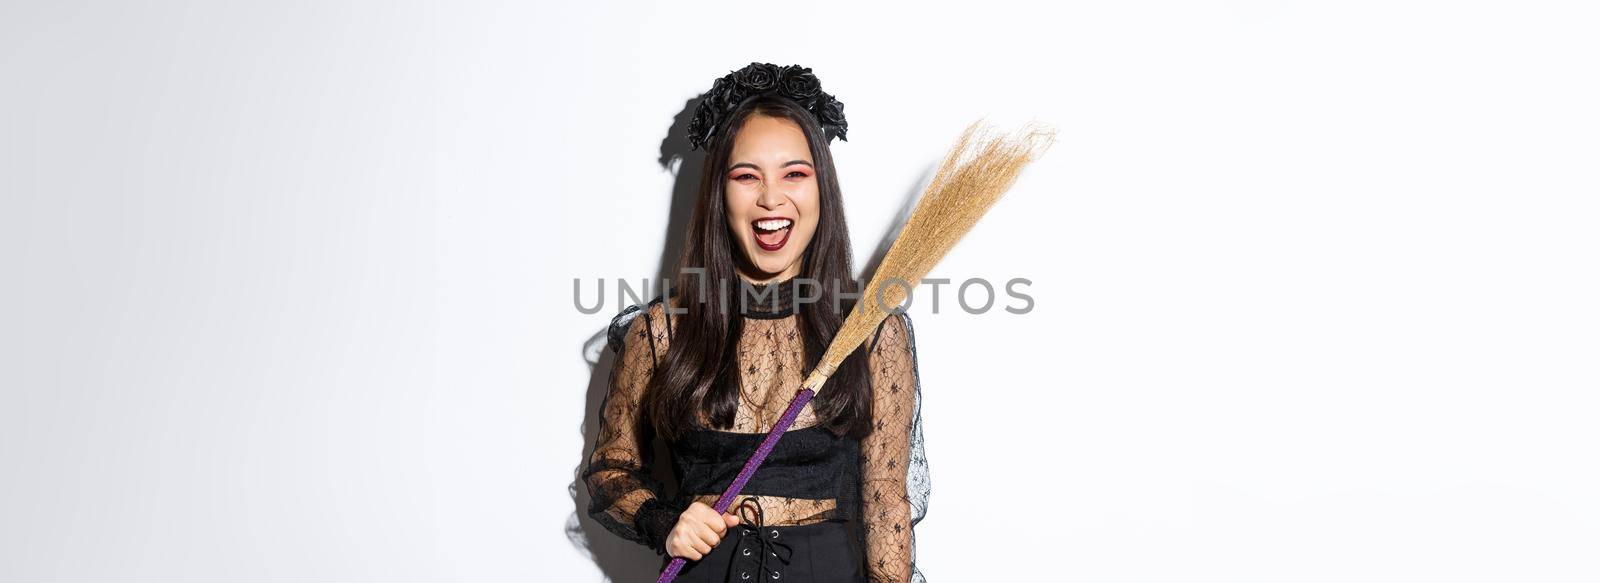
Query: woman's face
(771, 193)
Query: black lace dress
(823, 507)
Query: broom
(979, 168)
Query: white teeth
(773, 224)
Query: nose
(770, 198)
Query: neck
(765, 278)
(771, 298)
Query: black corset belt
(755, 539)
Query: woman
(711, 370)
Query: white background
(288, 286)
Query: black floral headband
(792, 81)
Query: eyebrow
(758, 169)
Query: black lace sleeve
(894, 471)
(623, 496)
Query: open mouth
(772, 232)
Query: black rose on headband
(757, 77)
(792, 81)
(831, 112)
(799, 83)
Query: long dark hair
(700, 367)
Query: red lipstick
(771, 233)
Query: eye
(744, 177)
(796, 174)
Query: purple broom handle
(789, 415)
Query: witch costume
(825, 506)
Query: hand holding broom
(979, 168)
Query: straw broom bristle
(979, 169)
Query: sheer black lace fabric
(879, 482)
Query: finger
(709, 536)
(691, 554)
(731, 519)
(691, 547)
(702, 547)
(705, 513)
(699, 509)
(718, 525)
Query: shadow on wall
(619, 559)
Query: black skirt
(825, 551)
